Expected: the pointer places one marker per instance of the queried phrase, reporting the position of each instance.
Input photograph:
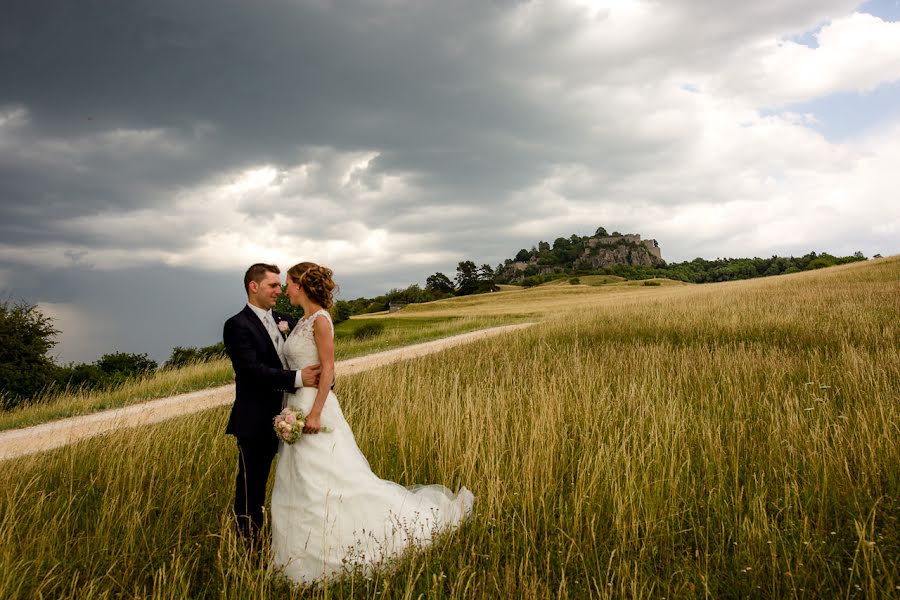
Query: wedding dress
(330, 512)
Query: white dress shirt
(268, 321)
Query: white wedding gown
(330, 513)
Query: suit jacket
(260, 379)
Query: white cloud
(856, 53)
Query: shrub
(341, 311)
(26, 336)
(574, 281)
(368, 330)
(82, 376)
(652, 283)
(819, 263)
(124, 365)
(182, 356)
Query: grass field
(729, 440)
(587, 280)
(164, 383)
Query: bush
(26, 336)
(182, 356)
(123, 365)
(819, 263)
(368, 330)
(574, 281)
(82, 376)
(341, 311)
(652, 283)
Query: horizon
(161, 358)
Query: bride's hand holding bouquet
(313, 423)
(290, 424)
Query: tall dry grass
(58, 404)
(737, 440)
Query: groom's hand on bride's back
(310, 375)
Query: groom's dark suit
(260, 382)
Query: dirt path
(38, 438)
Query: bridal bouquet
(289, 425)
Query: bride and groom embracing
(328, 510)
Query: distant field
(543, 300)
(733, 440)
(397, 333)
(587, 280)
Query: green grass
(599, 279)
(733, 441)
(585, 280)
(397, 333)
(403, 331)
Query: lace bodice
(300, 347)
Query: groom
(254, 340)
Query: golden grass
(170, 382)
(732, 440)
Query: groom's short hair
(257, 273)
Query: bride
(330, 513)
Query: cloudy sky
(151, 149)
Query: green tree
(283, 305)
(601, 232)
(121, 365)
(561, 243)
(523, 255)
(439, 284)
(342, 311)
(543, 247)
(486, 273)
(86, 376)
(26, 336)
(466, 278)
(183, 356)
(486, 279)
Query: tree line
(561, 259)
(469, 279)
(27, 373)
(707, 271)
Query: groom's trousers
(255, 455)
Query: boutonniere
(284, 327)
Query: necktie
(275, 335)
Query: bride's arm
(325, 346)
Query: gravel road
(38, 438)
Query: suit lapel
(261, 329)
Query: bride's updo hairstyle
(316, 281)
